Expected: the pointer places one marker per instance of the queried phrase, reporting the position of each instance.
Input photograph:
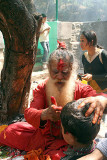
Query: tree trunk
(30, 5)
(21, 33)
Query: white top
(44, 37)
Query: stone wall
(69, 32)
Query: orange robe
(34, 133)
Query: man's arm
(100, 153)
(38, 103)
(102, 147)
(47, 29)
(95, 155)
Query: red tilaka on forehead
(61, 65)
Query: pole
(56, 10)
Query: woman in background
(94, 62)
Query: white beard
(64, 95)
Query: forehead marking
(61, 65)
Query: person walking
(44, 38)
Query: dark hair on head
(43, 15)
(74, 121)
(90, 35)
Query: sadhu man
(43, 126)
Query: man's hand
(98, 104)
(52, 112)
(95, 155)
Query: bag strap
(100, 57)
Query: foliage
(73, 10)
(30, 5)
